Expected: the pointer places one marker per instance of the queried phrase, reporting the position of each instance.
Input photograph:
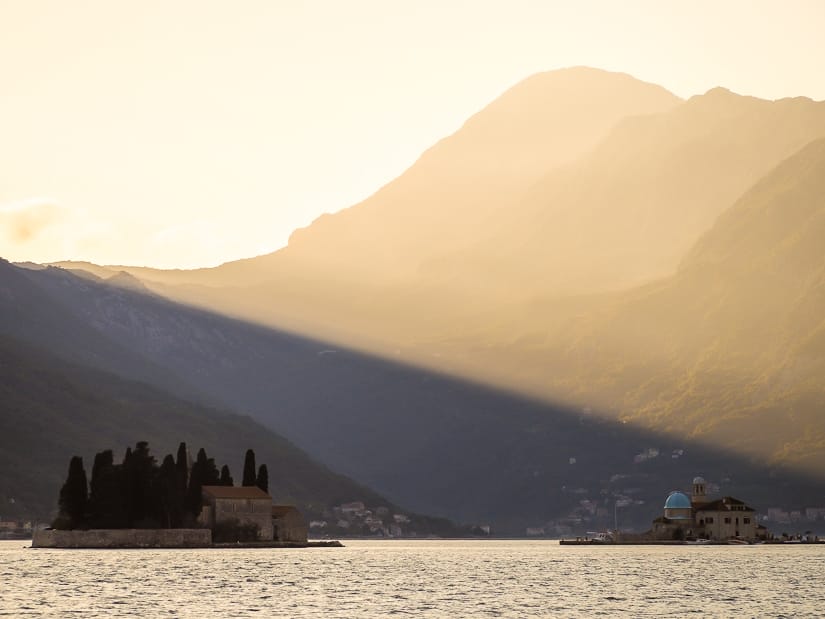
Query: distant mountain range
(429, 442)
(589, 270)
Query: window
(727, 519)
(709, 520)
(746, 520)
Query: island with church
(180, 504)
(693, 519)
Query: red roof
(235, 492)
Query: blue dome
(677, 500)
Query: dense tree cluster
(137, 493)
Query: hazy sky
(185, 133)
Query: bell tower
(698, 495)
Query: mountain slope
(52, 410)
(631, 209)
(430, 442)
(26, 312)
(731, 348)
(441, 202)
(439, 251)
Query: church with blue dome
(699, 517)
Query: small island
(697, 519)
(180, 504)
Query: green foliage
(226, 477)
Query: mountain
(52, 410)
(629, 211)
(430, 442)
(729, 350)
(484, 225)
(484, 339)
(27, 313)
(441, 202)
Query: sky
(184, 133)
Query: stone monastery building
(249, 505)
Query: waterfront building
(288, 524)
(698, 516)
(248, 505)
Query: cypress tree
(126, 481)
(249, 478)
(182, 465)
(74, 496)
(226, 477)
(103, 491)
(196, 483)
(211, 474)
(140, 474)
(169, 501)
(263, 479)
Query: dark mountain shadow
(428, 441)
(53, 410)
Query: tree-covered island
(138, 493)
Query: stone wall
(290, 527)
(245, 511)
(123, 538)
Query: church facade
(699, 517)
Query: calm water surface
(418, 579)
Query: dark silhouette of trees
(73, 497)
(211, 475)
(204, 473)
(196, 483)
(138, 493)
(168, 499)
(140, 472)
(249, 478)
(262, 480)
(106, 500)
(182, 478)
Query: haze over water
(418, 578)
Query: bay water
(427, 578)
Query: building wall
(123, 538)
(257, 511)
(727, 524)
(291, 527)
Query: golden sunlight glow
(188, 133)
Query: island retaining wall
(123, 538)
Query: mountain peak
(125, 280)
(720, 92)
